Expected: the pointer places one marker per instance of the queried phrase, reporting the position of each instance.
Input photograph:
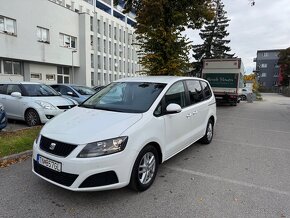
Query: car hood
(83, 125)
(55, 100)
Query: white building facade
(86, 42)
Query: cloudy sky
(264, 26)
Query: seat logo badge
(52, 146)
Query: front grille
(65, 107)
(100, 179)
(56, 147)
(62, 178)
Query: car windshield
(84, 90)
(128, 97)
(39, 90)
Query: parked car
(3, 119)
(33, 102)
(76, 92)
(98, 88)
(245, 92)
(102, 145)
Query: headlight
(105, 147)
(46, 105)
(1, 107)
(37, 139)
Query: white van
(120, 135)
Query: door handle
(188, 115)
(194, 112)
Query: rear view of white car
(33, 102)
(120, 135)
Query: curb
(16, 156)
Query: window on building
(67, 41)
(120, 35)
(42, 34)
(110, 47)
(115, 32)
(98, 26)
(99, 78)
(92, 42)
(63, 75)
(120, 65)
(105, 63)
(92, 78)
(265, 54)
(105, 78)
(275, 83)
(36, 76)
(92, 61)
(105, 29)
(50, 77)
(92, 23)
(12, 67)
(110, 64)
(105, 46)
(263, 74)
(110, 30)
(110, 78)
(115, 65)
(99, 61)
(264, 65)
(276, 74)
(120, 50)
(115, 77)
(7, 25)
(277, 66)
(99, 44)
(124, 37)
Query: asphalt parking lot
(244, 172)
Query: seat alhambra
(120, 135)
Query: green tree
(214, 33)
(163, 49)
(284, 62)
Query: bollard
(250, 97)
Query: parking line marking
(252, 145)
(261, 130)
(235, 182)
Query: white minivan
(120, 135)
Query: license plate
(219, 97)
(51, 164)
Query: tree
(284, 62)
(214, 33)
(163, 49)
(252, 78)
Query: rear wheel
(32, 117)
(207, 138)
(145, 169)
(243, 97)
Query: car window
(64, 90)
(128, 97)
(176, 95)
(39, 90)
(55, 87)
(206, 90)
(84, 90)
(195, 91)
(13, 88)
(3, 88)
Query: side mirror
(173, 109)
(16, 94)
(70, 93)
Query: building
(267, 68)
(86, 42)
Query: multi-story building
(267, 68)
(86, 42)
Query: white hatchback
(35, 103)
(120, 135)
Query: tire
(243, 97)
(32, 117)
(141, 181)
(207, 138)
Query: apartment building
(267, 68)
(87, 42)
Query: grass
(18, 141)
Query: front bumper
(78, 174)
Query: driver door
(13, 105)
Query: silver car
(35, 103)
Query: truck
(225, 77)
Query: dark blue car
(3, 119)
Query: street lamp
(72, 64)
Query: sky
(263, 26)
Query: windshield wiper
(87, 106)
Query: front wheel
(145, 169)
(207, 138)
(32, 117)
